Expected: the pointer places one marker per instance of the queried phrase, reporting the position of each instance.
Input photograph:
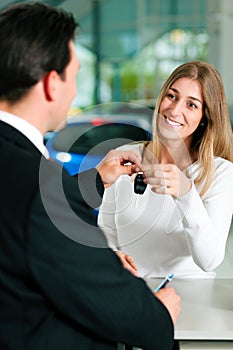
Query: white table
(206, 318)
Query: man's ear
(50, 82)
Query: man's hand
(171, 301)
(118, 163)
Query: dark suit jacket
(61, 288)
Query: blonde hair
(213, 137)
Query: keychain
(139, 187)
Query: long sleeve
(109, 207)
(83, 280)
(207, 221)
(187, 235)
(106, 217)
(61, 286)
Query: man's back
(55, 292)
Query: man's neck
(24, 111)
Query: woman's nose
(177, 108)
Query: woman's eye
(192, 105)
(171, 96)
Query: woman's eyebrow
(191, 97)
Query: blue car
(84, 142)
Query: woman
(181, 222)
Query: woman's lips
(172, 123)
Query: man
(61, 287)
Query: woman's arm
(106, 217)
(207, 221)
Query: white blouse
(185, 236)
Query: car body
(88, 137)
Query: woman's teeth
(172, 122)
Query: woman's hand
(166, 179)
(127, 262)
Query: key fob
(139, 184)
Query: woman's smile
(173, 123)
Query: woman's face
(181, 110)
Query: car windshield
(84, 138)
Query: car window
(84, 138)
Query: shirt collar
(27, 129)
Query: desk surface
(206, 308)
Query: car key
(139, 187)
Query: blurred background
(128, 48)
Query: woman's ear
(50, 82)
(203, 121)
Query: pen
(164, 282)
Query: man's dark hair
(34, 40)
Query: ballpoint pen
(164, 282)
